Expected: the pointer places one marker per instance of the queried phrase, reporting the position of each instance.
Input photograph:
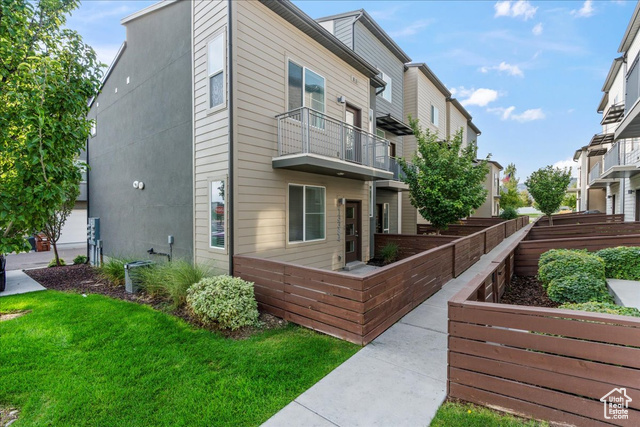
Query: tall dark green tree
(445, 180)
(47, 76)
(548, 186)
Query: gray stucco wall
(144, 133)
(371, 49)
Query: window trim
(388, 86)
(436, 122)
(304, 80)
(210, 182)
(386, 212)
(220, 33)
(304, 214)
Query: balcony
(397, 183)
(622, 160)
(310, 141)
(630, 125)
(595, 177)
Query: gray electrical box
(93, 230)
(131, 275)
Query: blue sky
(530, 72)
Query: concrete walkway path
(29, 260)
(399, 379)
(20, 283)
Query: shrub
(555, 254)
(389, 253)
(172, 279)
(578, 288)
(622, 262)
(225, 300)
(603, 307)
(80, 259)
(113, 270)
(509, 213)
(562, 265)
(53, 263)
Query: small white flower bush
(227, 301)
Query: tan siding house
(285, 204)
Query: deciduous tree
(548, 186)
(445, 180)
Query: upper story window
(216, 56)
(94, 129)
(386, 93)
(435, 115)
(306, 88)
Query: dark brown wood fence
(543, 363)
(411, 244)
(528, 252)
(359, 308)
(569, 219)
(595, 229)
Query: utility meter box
(132, 275)
(93, 230)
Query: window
(380, 133)
(386, 93)
(392, 150)
(435, 115)
(216, 60)
(94, 128)
(217, 214)
(313, 94)
(385, 218)
(306, 213)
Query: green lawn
(105, 362)
(453, 414)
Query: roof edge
(474, 127)
(431, 76)
(613, 72)
(628, 37)
(123, 46)
(460, 108)
(146, 11)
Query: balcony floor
(621, 171)
(601, 183)
(313, 163)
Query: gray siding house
(364, 36)
(143, 134)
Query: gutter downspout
(193, 141)
(230, 210)
(88, 189)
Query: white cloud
(537, 29)
(585, 11)
(515, 9)
(480, 97)
(526, 116)
(512, 70)
(412, 29)
(567, 163)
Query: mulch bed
(86, 280)
(527, 290)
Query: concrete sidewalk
(399, 379)
(20, 283)
(26, 261)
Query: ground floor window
(306, 213)
(217, 214)
(385, 218)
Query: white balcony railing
(306, 131)
(595, 172)
(612, 157)
(624, 152)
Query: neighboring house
(359, 31)
(74, 231)
(143, 133)
(491, 207)
(618, 172)
(257, 131)
(580, 157)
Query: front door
(613, 204)
(353, 231)
(637, 204)
(352, 151)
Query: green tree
(445, 180)
(548, 186)
(47, 76)
(525, 198)
(53, 227)
(509, 196)
(570, 200)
